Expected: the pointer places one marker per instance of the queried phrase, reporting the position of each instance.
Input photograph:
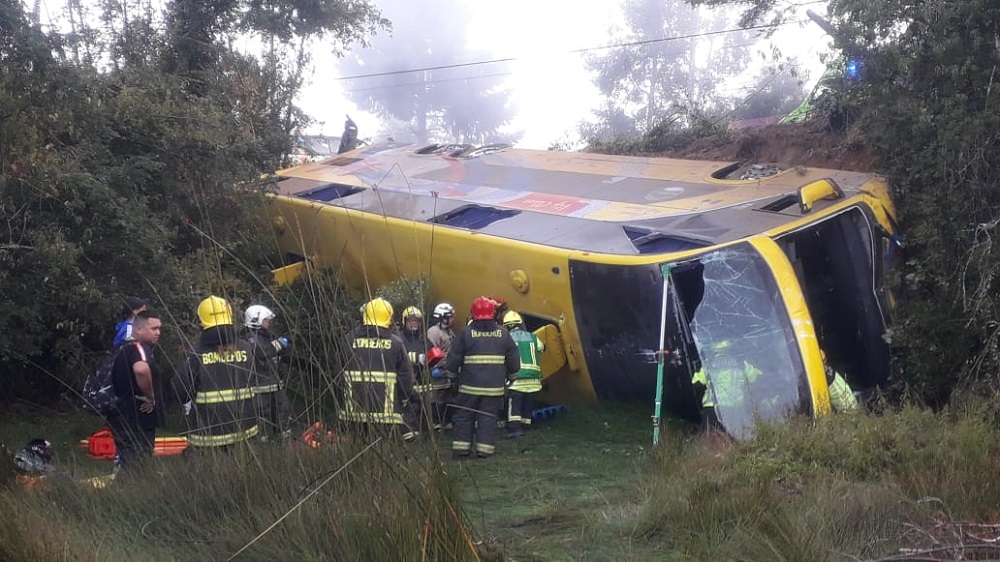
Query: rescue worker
(218, 377)
(725, 385)
(412, 334)
(269, 393)
(378, 375)
(528, 380)
(842, 398)
(441, 335)
(501, 309)
(484, 357)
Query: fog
(537, 73)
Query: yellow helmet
(214, 311)
(512, 319)
(377, 312)
(411, 311)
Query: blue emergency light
(853, 68)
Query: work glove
(284, 342)
(188, 406)
(422, 358)
(437, 373)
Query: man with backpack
(136, 381)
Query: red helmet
(434, 355)
(483, 308)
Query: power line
(501, 74)
(583, 50)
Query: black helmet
(42, 448)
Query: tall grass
(383, 504)
(363, 498)
(844, 486)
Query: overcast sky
(549, 85)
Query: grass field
(584, 485)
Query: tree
(450, 101)
(928, 106)
(776, 92)
(664, 70)
(130, 176)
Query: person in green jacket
(528, 380)
(725, 386)
(842, 398)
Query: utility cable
(582, 50)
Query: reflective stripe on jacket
(221, 379)
(726, 386)
(484, 356)
(529, 377)
(842, 398)
(378, 380)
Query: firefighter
(269, 393)
(528, 380)
(484, 357)
(411, 332)
(501, 308)
(725, 385)
(842, 398)
(441, 335)
(218, 377)
(378, 375)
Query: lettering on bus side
(498, 333)
(371, 343)
(212, 357)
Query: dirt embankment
(803, 144)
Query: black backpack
(99, 390)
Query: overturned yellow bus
(621, 263)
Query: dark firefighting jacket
(416, 351)
(485, 357)
(378, 377)
(266, 351)
(219, 379)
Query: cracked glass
(746, 341)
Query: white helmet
(442, 310)
(256, 315)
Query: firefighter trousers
(519, 406)
(272, 411)
(475, 424)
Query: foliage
(348, 502)
(450, 101)
(849, 486)
(657, 75)
(581, 485)
(663, 137)
(123, 146)
(777, 91)
(927, 105)
(932, 116)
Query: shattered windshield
(746, 342)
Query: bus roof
(580, 201)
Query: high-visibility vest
(726, 386)
(842, 398)
(529, 377)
